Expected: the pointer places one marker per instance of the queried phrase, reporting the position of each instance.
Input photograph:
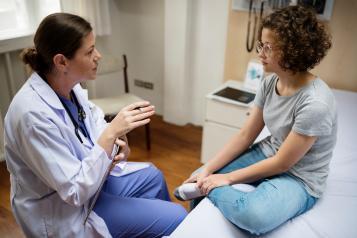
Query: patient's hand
(213, 181)
(198, 177)
(191, 179)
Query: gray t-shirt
(311, 111)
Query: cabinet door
(226, 113)
(214, 138)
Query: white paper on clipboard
(124, 168)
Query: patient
(290, 167)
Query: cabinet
(222, 120)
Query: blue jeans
(274, 201)
(138, 205)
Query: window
(21, 17)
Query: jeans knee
(242, 212)
(254, 220)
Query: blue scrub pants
(138, 205)
(274, 200)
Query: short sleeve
(313, 119)
(262, 91)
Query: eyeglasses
(266, 48)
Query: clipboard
(107, 172)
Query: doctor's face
(83, 66)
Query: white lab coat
(52, 174)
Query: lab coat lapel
(47, 94)
(50, 97)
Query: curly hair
(301, 38)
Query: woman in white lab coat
(58, 147)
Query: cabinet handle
(248, 113)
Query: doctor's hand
(214, 181)
(131, 117)
(124, 150)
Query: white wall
(169, 43)
(137, 31)
(195, 42)
(177, 81)
(208, 51)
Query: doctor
(58, 147)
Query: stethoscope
(81, 113)
(81, 117)
(250, 42)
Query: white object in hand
(187, 191)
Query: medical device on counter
(323, 10)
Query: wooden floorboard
(175, 151)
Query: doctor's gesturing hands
(129, 118)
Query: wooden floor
(175, 150)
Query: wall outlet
(143, 84)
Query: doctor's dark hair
(58, 33)
(301, 39)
